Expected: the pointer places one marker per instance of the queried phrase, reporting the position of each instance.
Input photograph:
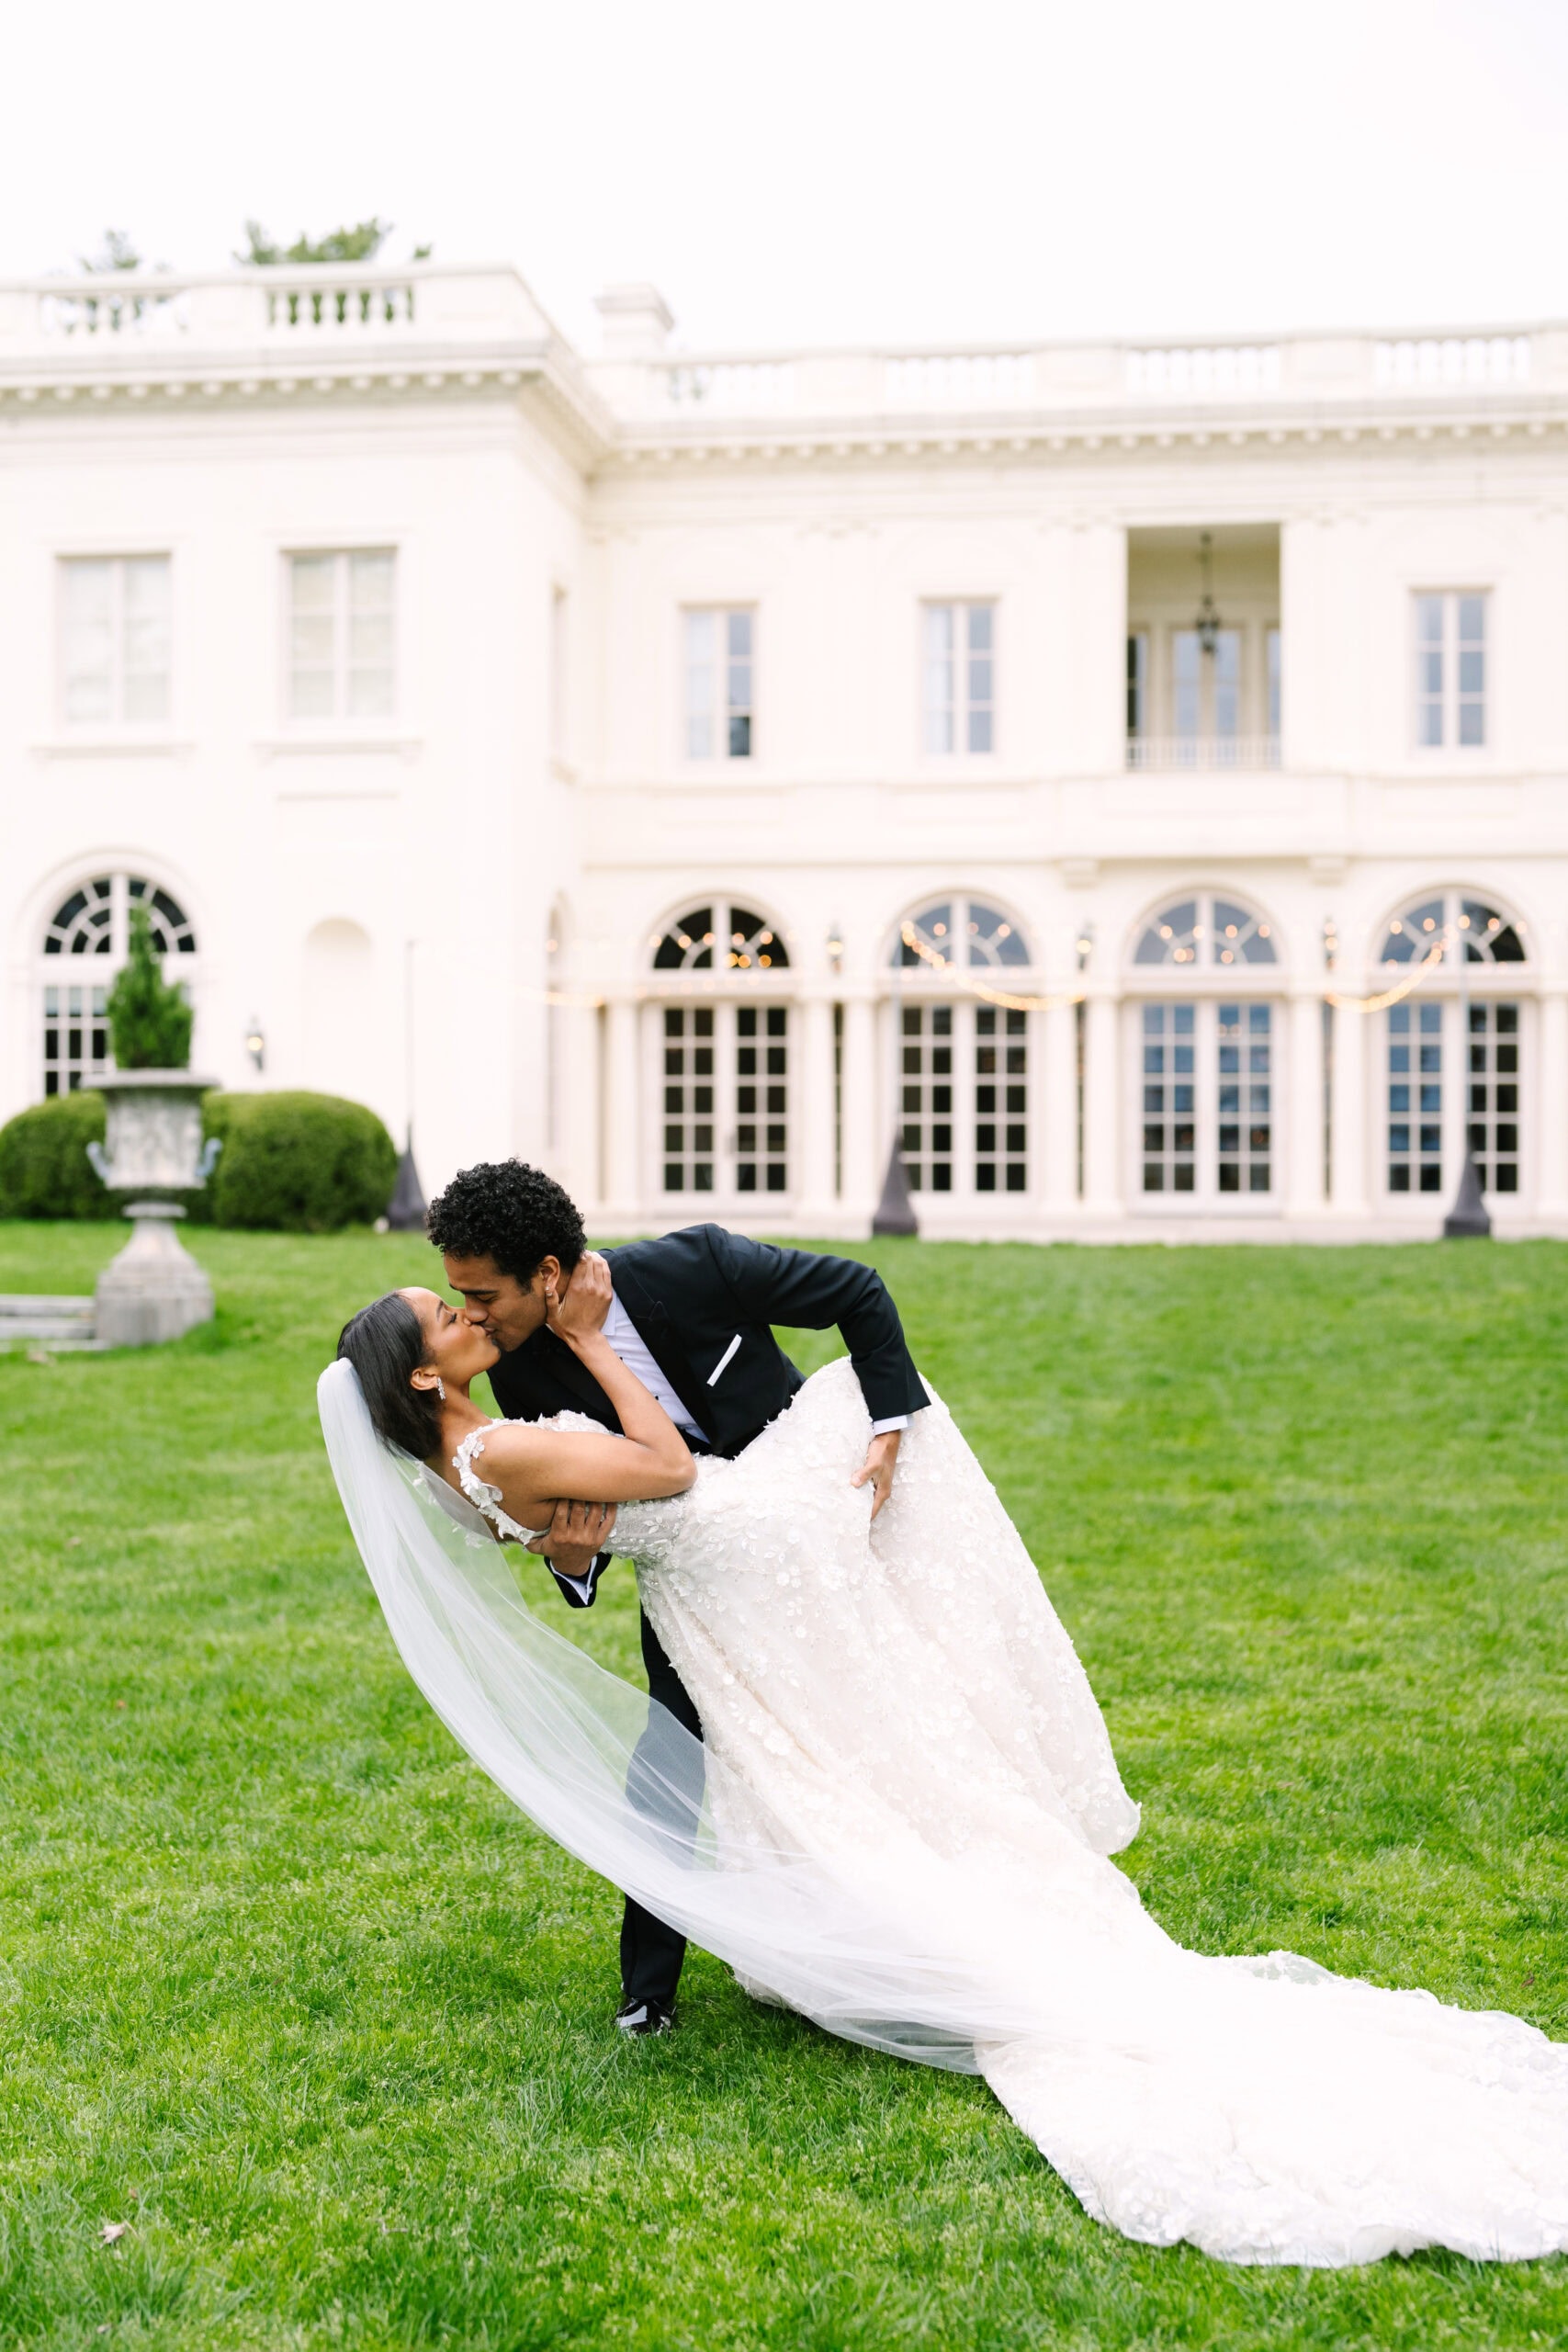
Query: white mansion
(1135, 778)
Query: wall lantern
(836, 946)
(1208, 621)
(256, 1046)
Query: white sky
(833, 171)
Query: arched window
(1206, 1069)
(724, 1063)
(1207, 929)
(1453, 1071)
(1486, 936)
(964, 932)
(963, 1064)
(720, 938)
(94, 920)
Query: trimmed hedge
(44, 1168)
(291, 1162)
(297, 1163)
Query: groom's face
(507, 1310)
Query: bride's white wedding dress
(911, 1798)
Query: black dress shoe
(643, 2016)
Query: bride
(911, 1801)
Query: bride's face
(455, 1349)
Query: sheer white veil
(612, 1777)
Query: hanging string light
(1385, 997)
(940, 962)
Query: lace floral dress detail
(486, 1498)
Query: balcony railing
(1207, 751)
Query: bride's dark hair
(386, 1346)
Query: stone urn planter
(154, 1289)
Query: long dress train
(911, 1802)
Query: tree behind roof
(362, 242)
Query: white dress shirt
(634, 1353)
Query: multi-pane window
(342, 654)
(1450, 670)
(1414, 1098)
(1245, 1044)
(724, 939)
(1170, 1102)
(1205, 688)
(75, 1036)
(761, 1098)
(958, 677)
(1207, 930)
(688, 1099)
(115, 639)
(1493, 1129)
(718, 685)
(1449, 922)
(1206, 1106)
(1272, 660)
(725, 1098)
(926, 1078)
(961, 930)
(1001, 1099)
(96, 921)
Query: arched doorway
(85, 943)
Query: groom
(690, 1314)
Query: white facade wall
(451, 911)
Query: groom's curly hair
(504, 1210)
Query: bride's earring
(441, 1389)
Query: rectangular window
(1171, 1127)
(688, 1100)
(341, 635)
(1450, 670)
(115, 639)
(1205, 688)
(1245, 1047)
(1137, 684)
(958, 677)
(1273, 655)
(75, 1037)
(1492, 1110)
(761, 1099)
(926, 1078)
(1416, 1097)
(1001, 1100)
(718, 685)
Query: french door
(721, 1085)
(963, 1080)
(1451, 1079)
(1205, 1115)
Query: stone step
(46, 1319)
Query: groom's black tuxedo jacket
(693, 1295)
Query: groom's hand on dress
(880, 1456)
(576, 1534)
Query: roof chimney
(637, 321)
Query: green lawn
(287, 1986)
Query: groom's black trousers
(651, 1952)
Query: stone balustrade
(248, 324)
